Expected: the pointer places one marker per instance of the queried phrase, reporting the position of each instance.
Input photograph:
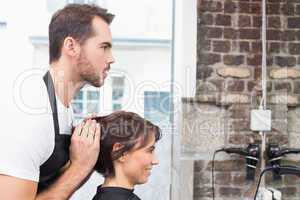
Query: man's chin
(97, 84)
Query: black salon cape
(114, 193)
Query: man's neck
(66, 83)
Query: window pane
(92, 107)
(78, 108)
(157, 106)
(117, 107)
(118, 81)
(79, 96)
(117, 94)
(93, 95)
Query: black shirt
(114, 193)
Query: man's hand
(85, 146)
(84, 151)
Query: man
(40, 160)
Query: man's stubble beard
(88, 72)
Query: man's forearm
(65, 186)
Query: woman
(126, 154)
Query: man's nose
(111, 59)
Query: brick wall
(229, 52)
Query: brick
(285, 73)
(297, 35)
(256, 21)
(293, 22)
(251, 85)
(203, 45)
(250, 34)
(294, 48)
(244, 47)
(239, 179)
(288, 35)
(210, 6)
(254, 60)
(244, 21)
(239, 111)
(256, 8)
(289, 100)
(288, 191)
(223, 20)
(288, 9)
(290, 180)
(229, 99)
(235, 72)
(244, 7)
(297, 11)
(274, 47)
(273, 9)
(240, 125)
(201, 179)
(206, 19)
(274, 22)
(223, 178)
(233, 59)
(199, 165)
(234, 46)
(256, 47)
(230, 6)
(235, 86)
(221, 46)
(230, 33)
(273, 35)
(204, 72)
(236, 139)
(287, 61)
(297, 87)
(285, 86)
(227, 165)
(230, 192)
(203, 191)
(214, 33)
(209, 58)
(257, 73)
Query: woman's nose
(155, 160)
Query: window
(157, 107)
(3, 25)
(82, 1)
(54, 5)
(85, 103)
(117, 92)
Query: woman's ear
(116, 147)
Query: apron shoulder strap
(51, 94)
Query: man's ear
(71, 47)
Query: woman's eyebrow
(151, 147)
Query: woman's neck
(117, 182)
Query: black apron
(51, 169)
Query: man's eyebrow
(109, 44)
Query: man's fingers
(97, 135)
(92, 130)
(93, 115)
(85, 131)
(78, 130)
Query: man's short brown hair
(74, 20)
